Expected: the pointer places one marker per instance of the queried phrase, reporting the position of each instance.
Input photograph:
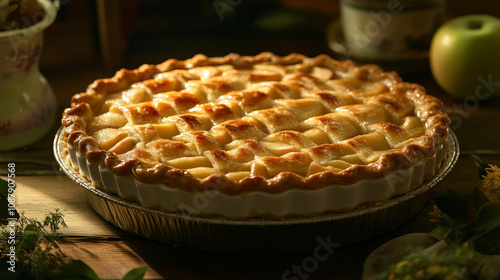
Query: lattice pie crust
(247, 126)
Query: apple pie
(255, 136)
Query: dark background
(151, 31)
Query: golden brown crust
(297, 165)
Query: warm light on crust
(247, 123)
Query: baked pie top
(265, 122)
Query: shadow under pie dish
(255, 136)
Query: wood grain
(37, 195)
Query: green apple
(465, 56)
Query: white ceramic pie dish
(290, 234)
(292, 202)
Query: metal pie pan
(294, 234)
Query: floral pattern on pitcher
(21, 58)
(4, 128)
(26, 56)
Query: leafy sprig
(37, 254)
(478, 225)
(465, 244)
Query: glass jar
(390, 29)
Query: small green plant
(29, 249)
(465, 244)
(434, 262)
(479, 225)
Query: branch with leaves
(36, 252)
(465, 244)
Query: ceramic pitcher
(27, 102)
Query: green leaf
(4, 188)
(488, 216)
(454, 205)
(77, 270)
(479, 198)
(481, 165)
(31, 228)
(136, 274)
(5, 212)
(31, 238)
(487, 238)
(488, 243)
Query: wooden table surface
(112, 252)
